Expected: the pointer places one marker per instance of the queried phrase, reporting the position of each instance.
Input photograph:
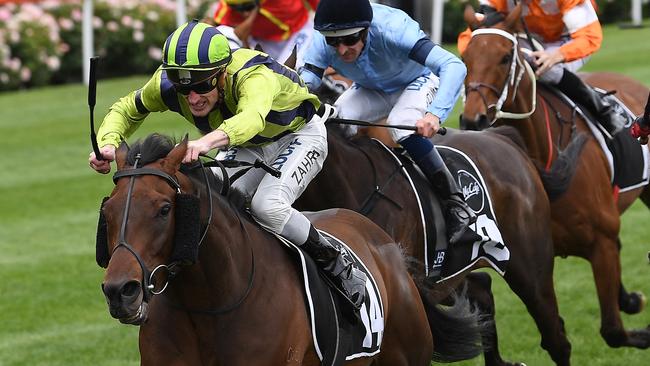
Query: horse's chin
(139, 317)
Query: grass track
(52, 311)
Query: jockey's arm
(586, 33)
(449, 68)
(312, 76)
(128, 113)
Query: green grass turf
(52, 311)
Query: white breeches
(403, 107)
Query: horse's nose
(122, 297)
(479, 122)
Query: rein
(513, 80)
(369, 203)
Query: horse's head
(148, 225)
(494, 67)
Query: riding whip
(92, 94)
(343, 121)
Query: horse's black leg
(630, 303)
(479, 291)
(534, 286)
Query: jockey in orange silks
(570, 33)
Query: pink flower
(25, 74)
(155, 53)
(53, 63)
(112, 26)
(76, 15)
(98, 23)
(66, 24)
(138, 36)
(64, 47)
(5, 14)
(127, 21)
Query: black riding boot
(329, 259)
(583, 94)
(458, 215)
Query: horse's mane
(157, 146)
(152, 148)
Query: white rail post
(181, 13)
(636, 13)
(87, 38)
(436, 20)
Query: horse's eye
(506, 59)
(164, 211)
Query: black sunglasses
(349, 40)
(242, 8)
(202, 87)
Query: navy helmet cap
(338, 15)
(341, 32)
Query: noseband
(148, 288)
(513, 80)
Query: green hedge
(40, 43)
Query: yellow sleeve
(124, 116)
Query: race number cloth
(484, 241)
(338, 335)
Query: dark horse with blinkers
(208, 286)
(586, 219)
(361, 175)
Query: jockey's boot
(458, 215)
(330, 260)
(583, 94)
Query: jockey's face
(348, 47)
(349, 53)
(201, 104)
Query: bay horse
(585, 218)
(241, 302)
(361, 175)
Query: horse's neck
(223, 272)
(534, 128)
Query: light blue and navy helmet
(195, 52)
(336, 18)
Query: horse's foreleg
(606, 267)
(479, 291)
(534, 286)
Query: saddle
(623, 151)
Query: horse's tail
(457, 330)
(556, 180)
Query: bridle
(148, 288)
(512, 81)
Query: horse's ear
(120, 155)
(470, 17)
(258, 47)
(293, 57)
(512, 22)
(173, 160)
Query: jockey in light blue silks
(398, 73)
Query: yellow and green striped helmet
(198, 48)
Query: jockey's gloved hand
(641, 129)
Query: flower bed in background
(40, 41)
